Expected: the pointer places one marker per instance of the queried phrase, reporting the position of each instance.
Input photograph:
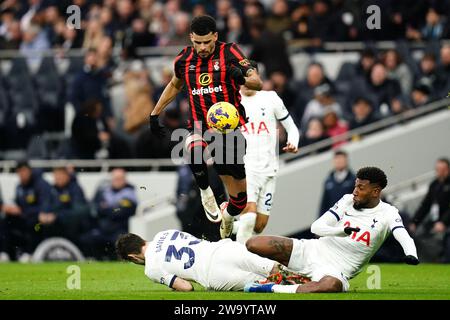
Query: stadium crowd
(33, 94)
(41, 211)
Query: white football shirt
(263, 110)
(173, 253)
(350, 253)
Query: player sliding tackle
(173, 258)
(351, 232)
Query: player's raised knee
(252, 244)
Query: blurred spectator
(321, 22)
(237, 32)
(428, 73)
(180, 35)
(363, 113)
(339, 182)
(91, 83)
(444, 71)
(34, 41)
(434, 28)
(137, 36)
(115, 203)
(365, 64)
(94, 34)
(13, 37)
(379, 89)
(281, 87)
(34, 7)
(91, 137)
(108, 22)
(398, 70)
(323, 101)
(315, 132)
(315, 76)
(139, 95)
(434, 211)
(398, 106)
(21, 223)
(269, 49)
(126, 13)
(420, 95)
(279, 20)
(223, 8)
(334, 126)
(67, 38)
(104, 56)
(68, 213)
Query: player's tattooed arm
(281, 248)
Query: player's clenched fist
(349, 230)
(237, 75)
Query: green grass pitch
(116, 280)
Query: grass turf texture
(107, 281)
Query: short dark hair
(129, 243)
(23, 164)
(202, 25)
(444, 160)
(374, 175)
(340, 153)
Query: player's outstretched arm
(407, 243)
(326, 226)
(169, 93)
(293, 135)
(180, 284)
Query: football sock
(197, 163)
(236, 226)
(279, 288)
(247, 224)
(237, 204)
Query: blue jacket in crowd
(33, 197)
(114, 208)
(68, 202)
(335, 190)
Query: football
(223, 117)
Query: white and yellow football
(223, 117)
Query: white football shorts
(306, 260)
(232, 266)
(261, 189)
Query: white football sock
(226, 215)
(246, 227)
(279, 288)
(236, 226)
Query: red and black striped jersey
(207, 81)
